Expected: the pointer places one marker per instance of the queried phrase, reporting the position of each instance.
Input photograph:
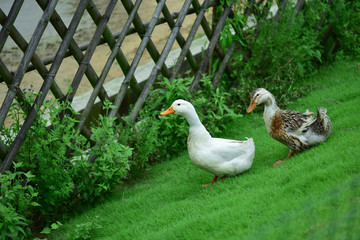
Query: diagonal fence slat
(179, 38)
(281, 8)
(61, 29)
(222, 66)
(207, 29)
(146, 39)
(14, 11)
(90, 51)
(107, 66)
(35, 59)
(15, 146)
(26, 59)
(110, 40)
(141, 29)
(139, 103)
(228, 55)
(189, 40)
(211, 47)
(5, 73)
(3, 150)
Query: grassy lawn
(314, 195)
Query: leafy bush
(174, 130)
(55, 177)
(143, 138)
(345, 17)
(284, 53)
(278, 55)
(16, 203)
(212, 106)
(93, 179)
(44, 153)
(84, 230)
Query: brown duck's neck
(269, 111)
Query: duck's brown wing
(296, 122)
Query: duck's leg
(212, 182)
(280, 161)
(214, 179)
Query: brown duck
(298, 131)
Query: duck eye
(178, 104)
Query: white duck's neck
(197, 129)
(270, 109)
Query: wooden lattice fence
(48, 67)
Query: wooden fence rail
(83, 53)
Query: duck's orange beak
(251, 106)
(170, 110)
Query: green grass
(314, 195)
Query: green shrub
(48, 153)
(84, 230)
(345, 16)
(280, 55)
(44, 153)
(174, 130)
(111, 165)
(212, 106)
(284, 53)
(16, 203)
(143, 137)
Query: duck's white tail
(251, 148)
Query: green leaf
(55, 225)
(29, 175)
(35, 204)
(11, 228)
(17, 165)
(46, 230)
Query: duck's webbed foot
(277, 163)
(280, 161)
(213, 181)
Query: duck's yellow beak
(170, 110)
(251, 106)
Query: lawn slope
(315, 194)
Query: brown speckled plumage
(282, 122)
(296, 130)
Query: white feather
(222, 157)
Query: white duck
(222, 157)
